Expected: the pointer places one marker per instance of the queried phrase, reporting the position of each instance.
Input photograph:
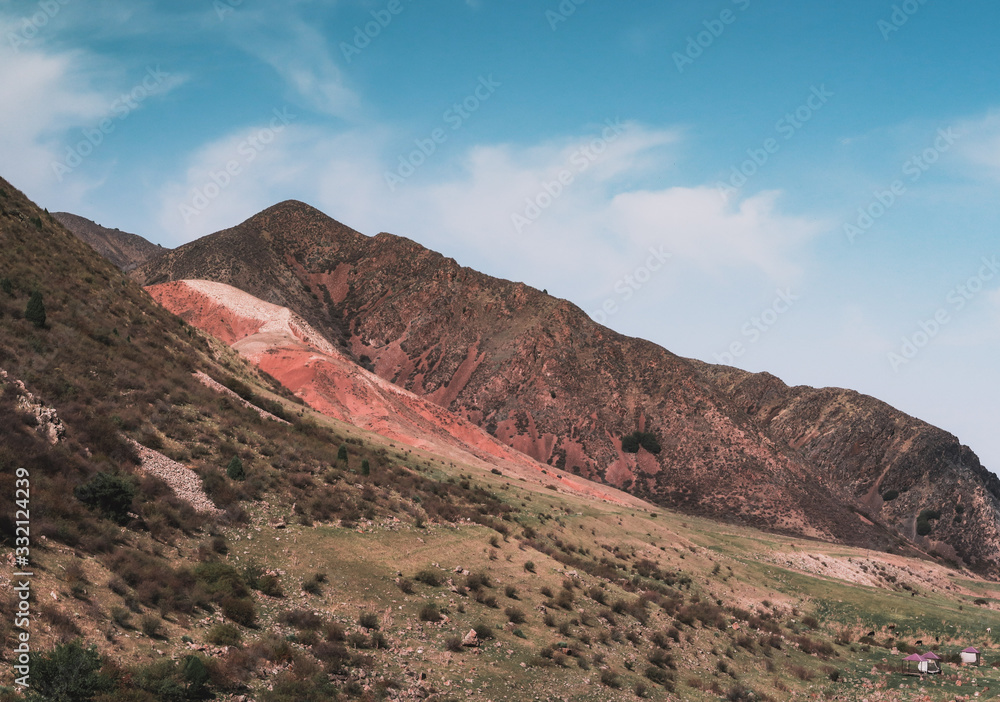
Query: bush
(453, 644)
(68, 673)
(35, 311)
(110, 494)
(645, 439)
(240, 610)
(529, 566)
(368, 620)
(342, 453)
(224, 635)
(611, 679)
(366, 468)
(428, 577)
(515, 615)
(312, 584)
(483, 631)
(430, 613)
(152, 626)
(235, 469)
(890, 495)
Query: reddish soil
(289, 349)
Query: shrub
(428, 577)
(152, 626)
(342, 453)
(515, 615)
(890, 495)
(529, 566)
(453, 644)
(610, 678)
(35, 311)
(645, 439)
(430, 613)
(235, 469)
(240, 610)
(110, 494)
(68, 673)
(483, 631)
(312, 583)
(368, 620)
(224, 635)
(366, 468)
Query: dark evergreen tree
(235, 469)
(35, 311)
(342, 453)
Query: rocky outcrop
(47, 420)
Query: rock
(470, 639)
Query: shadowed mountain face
(124, 250)
(872, 450)
(542, 377)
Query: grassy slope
(724, 590)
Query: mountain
(896, 466)
(539, 375)
(121, 248)
(192, 530)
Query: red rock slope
(289, 349)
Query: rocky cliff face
(873, 451)
(543, 378)
(124, 250)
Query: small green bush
(224, 635)
(68, 673)
(110, 494)
(235, 469)
(890, 495)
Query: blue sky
(803, 188)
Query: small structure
(911, 664)
(971, 656)
(931, 663)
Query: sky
(808, 189)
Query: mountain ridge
(542, 377)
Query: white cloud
(44, 95)
(301, 56)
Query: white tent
(970, 656)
